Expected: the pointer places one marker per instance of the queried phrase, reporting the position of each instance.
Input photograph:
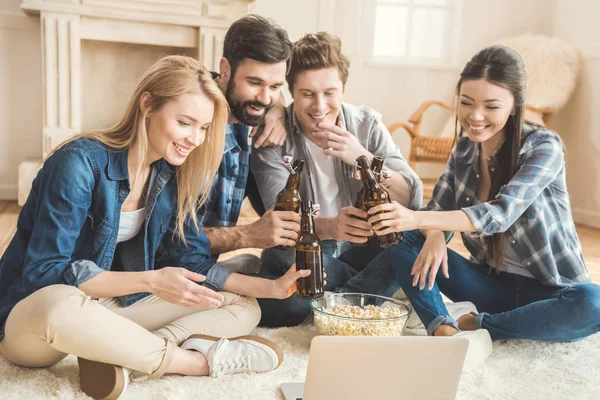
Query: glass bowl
(358, 314)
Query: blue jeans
(511, 306)
(349, 268)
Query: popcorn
(366, 321)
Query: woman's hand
(338, 142)
(180, 286)
(433, 254)
(285, 286)
(392, 217)
(350, 225)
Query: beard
(238, 107)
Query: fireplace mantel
(193, 24)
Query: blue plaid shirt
(227, 192)
(533, 207)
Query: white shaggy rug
(516, 370)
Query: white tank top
(130, 224)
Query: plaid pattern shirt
(533, 207)
(227, 191)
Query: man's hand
(338, 142)
(273, 132)
(180, 286)
(274, 228)
(350, 226)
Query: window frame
(453, 30)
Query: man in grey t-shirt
(329, 135)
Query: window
(414, 32)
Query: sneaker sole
(258, 339)
(101, 381)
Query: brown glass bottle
(373, 195)
(309, 256)
(377, 168)
(289, 198)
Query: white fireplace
(94, 52)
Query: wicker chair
(425, 148)
(437, 149)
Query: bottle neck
(368, 179)
(307, 224)
(377, 167)
(293, 182)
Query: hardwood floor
(589, 237)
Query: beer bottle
(373, 195)
(377, 168)
(289, 198)
(309, 256)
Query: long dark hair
(504, 67)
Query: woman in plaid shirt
(504, 189)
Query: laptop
(382, 368)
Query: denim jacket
(67, 230)
(533, 207)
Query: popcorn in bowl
(357, 314)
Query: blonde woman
(80, 275)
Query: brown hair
(316, 51)
(168, 78)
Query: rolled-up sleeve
(542, 159)
(217, 275)
(81, 271)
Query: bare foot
(467, 322)
(445, 330)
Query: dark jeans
(511, 306)
(349, 268)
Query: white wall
(396, 92)
(579, 122)
(20, 93)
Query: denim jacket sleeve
(194, 255)
(541, 160)
(64, 197)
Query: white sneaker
(480, 348)
(456, 310)
(235, 355)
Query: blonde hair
(168, 78)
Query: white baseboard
(586, 217)
(8, 192)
